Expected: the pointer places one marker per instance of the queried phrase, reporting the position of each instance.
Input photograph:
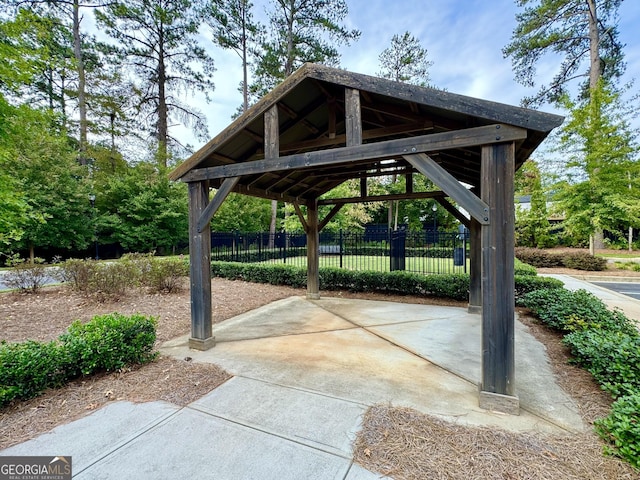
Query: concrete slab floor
(369, 352)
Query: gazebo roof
(311, 118)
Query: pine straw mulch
(406, 444)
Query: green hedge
(106, 342)
(607, 344)
(454, 286)
(578, 260)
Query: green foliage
(110, 342)
(107, 342)
(300, 31)
(584, 261)
(524, 269)
(570, 311)
(24, 275)
(621, 428)
(243, 214)
(602, 177)
(611, 356)
(454, 286)
(530, 283)
(142, 211)
(405, 61)
(161, 43)
(562, 28)
(29, 368)
(165, 275)
(532, 225)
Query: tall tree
(234, 28)
(405, 60)
(602, 182)
(583, 32)
(532, 224)
(301, 31)
(158, 39)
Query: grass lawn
(380, 264)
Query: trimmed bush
(525, 284)
(110, 342)
(29, 368)
(538, 258)
(621, 429)
(522, 269)
(612, 357)
(577, 260)
(454, 286)
(584, 261)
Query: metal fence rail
(424, 252)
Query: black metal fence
(425, 252)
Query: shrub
(165, 275)
(77, 273)
(28, 368)
(570, 311)
(621, 428)
(140, 265)
(113, 279)
(584, 261)
(538, 258)
(522, 269)
(525, 284)
(612, 357)
(110, 342)
(24, 275)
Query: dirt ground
(394, 441)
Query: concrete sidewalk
(305, 372)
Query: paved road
(629, 289)
(48, 280)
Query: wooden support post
(313, 259)
(409, 183)
(200, 268)
(271, 133)
(363, 187)
(475, 266)
(497, 390)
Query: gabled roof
(311, 106)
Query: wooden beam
(220, 196)
(332, 213)
(497, 390)
(332, 118)
(363, 187)
(452, 187)
(408, 183)
(353, 117)
(370, 134)
(364, 153)
(271, 133)
(453, 211)
(313, 254)
(199, 269)
(303, 221)
(381, 198)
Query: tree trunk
(82, 103)
(162, 129)
(245, 87)
(32, 253)
(597, 242)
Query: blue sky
(464, 39)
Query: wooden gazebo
(323, 126)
